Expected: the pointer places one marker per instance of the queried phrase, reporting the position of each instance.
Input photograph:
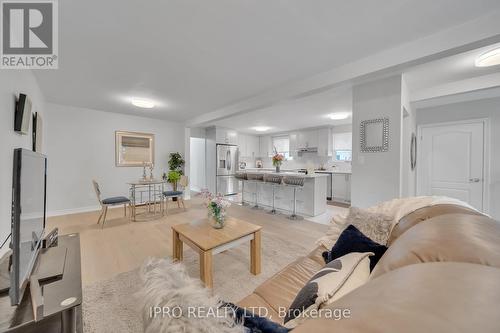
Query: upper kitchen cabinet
(307, 139)
(253, 143)
(266, 146)
(293, 143)
(325, 142)
(248, 145)
(226, 136)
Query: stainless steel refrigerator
(227, 164)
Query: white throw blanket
(396, 208)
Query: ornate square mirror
(134, 149)
(374, 135)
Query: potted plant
(173, 177)
(175, 164)
(277, 160)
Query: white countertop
(286, 172)
(333, 171)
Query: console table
(62, 297)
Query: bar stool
(256, 178)
(243, 177)
(297, 183)
(274, 180)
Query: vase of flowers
(216, 206)
(277, 160)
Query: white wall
(376, 176)
(13, 82)
(197, 166)
(408, 176)
(486, 108)
(81, 147)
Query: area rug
(111, 305)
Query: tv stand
(52, 302)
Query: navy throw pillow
(353, 240)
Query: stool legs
(273, 211)
(294, 215)
(256, 196)
(243, 203)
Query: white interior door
(451, 162)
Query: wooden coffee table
(207, 241)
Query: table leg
(176, 246)
(255, 253)
(206, 268)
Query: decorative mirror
(374, 135)
(413, 151)
(134, 149)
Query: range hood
(308, 150)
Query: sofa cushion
(333, 281)
(451, 237)
(424, 214)
(259, 306)
(280, 290)
(352, 240)
(430, 297)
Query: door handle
(474, 180)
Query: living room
(245, 160)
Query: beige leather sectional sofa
(441, 273)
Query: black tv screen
(28, 217)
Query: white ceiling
(306, 112)
(425, 80)
(196, 56)
(446, 76)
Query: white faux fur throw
(396, 208)
(190, 306)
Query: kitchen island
(311, 199)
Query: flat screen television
(28, 217)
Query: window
(342, 145)
(343, 155)
(282, 145)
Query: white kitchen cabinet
(293, 143)
(307, 139)
(226, 136)
(252, 145)
(242, 145)
(341, 187)
(266, 146)
(325, 142)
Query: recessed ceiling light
(339, 115)
(490, 58)
(143, 103)
(261, 128)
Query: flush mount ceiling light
(490, 58)
(261, 128)
(143, 103)
(339, 115)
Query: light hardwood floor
(123, 245)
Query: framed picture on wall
(134, 149)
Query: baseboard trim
(73, 211)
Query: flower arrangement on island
(216, 206)
(277, 160)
